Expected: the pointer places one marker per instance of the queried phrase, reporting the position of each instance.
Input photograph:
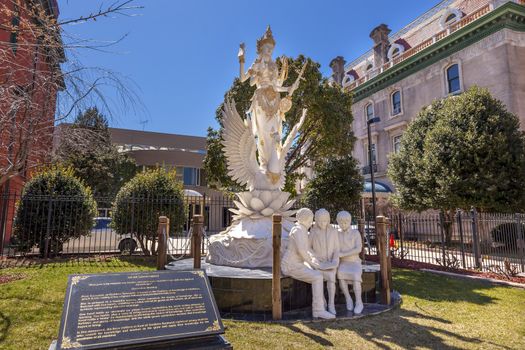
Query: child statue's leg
(344, 288)
(358, 299)
(331, 296)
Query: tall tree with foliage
(327, 131)
(86, 147)
(337, 186)
(463, 151)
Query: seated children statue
(350, 270)
(325, 245)
(300, 263)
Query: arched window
(396, 103)
(453, 79)
(348, 79)
(369, 112)
(451, 16)
(369, 67)
(394, 51)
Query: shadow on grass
(412, 329)
(5, 323)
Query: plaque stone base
(207, 343)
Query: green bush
(54, 205)
(141, 201)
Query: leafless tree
(43, 83)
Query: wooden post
(381, 241)
(361, 228)
(162, 249)
(196, 239)
(276, 268)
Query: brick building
(454, 45)
(30, 78)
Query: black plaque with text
(116, 310)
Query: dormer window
(450, 17)
(369, 67)
(348, 79)
(395, 50)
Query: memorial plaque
(113, 311)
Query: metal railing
(45, 223)
(493, 242)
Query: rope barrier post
(162, 258)
(196, 239)
(276, 268)
(382, 246)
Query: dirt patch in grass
(416, 265)
(11, 277)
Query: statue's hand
(240, 55)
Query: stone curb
(476, 278)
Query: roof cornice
(509, 15)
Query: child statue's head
(305, 217)
(344, 220)
(322, 218)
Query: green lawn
(437, 313)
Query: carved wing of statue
(239, 146)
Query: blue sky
(182, 55)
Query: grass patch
(437, 313)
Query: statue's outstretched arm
(243, 76)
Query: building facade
(30, 77)
(455, 45)
(182, 153)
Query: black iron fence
(57, 225)
(53, 225)
(463, 239)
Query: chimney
(381, 43)
(338, 69)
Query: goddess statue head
(266, 43)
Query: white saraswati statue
(256, 155)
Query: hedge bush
(141, 201)
(54, 205)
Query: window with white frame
(396, 103)
(369, 111)
(394, 51)
(453, 79)
(450, 17)
(396, 143)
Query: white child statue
(350, 269)
(300, 263)
(325, 245)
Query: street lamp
(369, 122)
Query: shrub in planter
(141, 201)
(55, 206)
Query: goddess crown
(267, 38)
